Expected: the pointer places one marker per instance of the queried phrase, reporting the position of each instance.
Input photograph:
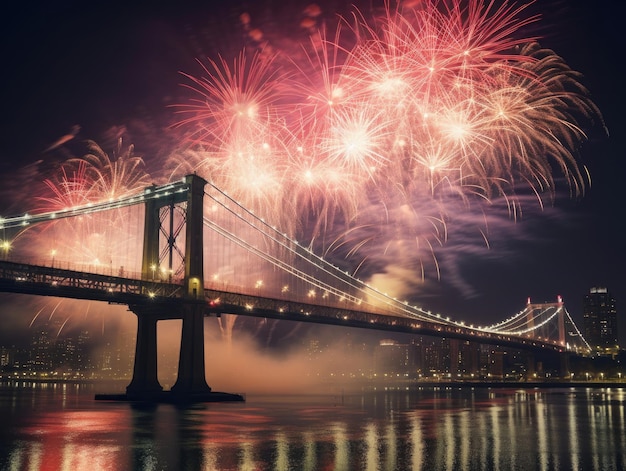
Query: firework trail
(374, 139)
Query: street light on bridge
(166, 274)
(6, 246)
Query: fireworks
(107, 242)
(384, 131)
(100, 240)
(374, 142)
(378, 140)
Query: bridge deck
(162, 297)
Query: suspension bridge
(190, 229)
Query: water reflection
(417, 448)
(282, 452)
(371, 447)
(64, 429)
(310, 462)
(391, 440)
(342, 449)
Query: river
(61, 427)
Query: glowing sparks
(372, 141)
(392, 123)
(98, 240)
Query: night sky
(113, 69)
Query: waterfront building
(600, 321)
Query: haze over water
(61, 427)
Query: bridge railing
(95, 267)
(25, 277)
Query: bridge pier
(191, 373)
(191, 385)
(145, 381)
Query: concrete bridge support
(191, 382)
(191, 372)
(145, 381)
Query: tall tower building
(600, 321)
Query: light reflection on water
(61, 427)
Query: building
(600, 321)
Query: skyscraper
(600, 321)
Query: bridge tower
(191, 368)
(561, 320)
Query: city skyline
(559, 251)
(366, 359)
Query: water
(61, 427)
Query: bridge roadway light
(194, 284)
(6, 246)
